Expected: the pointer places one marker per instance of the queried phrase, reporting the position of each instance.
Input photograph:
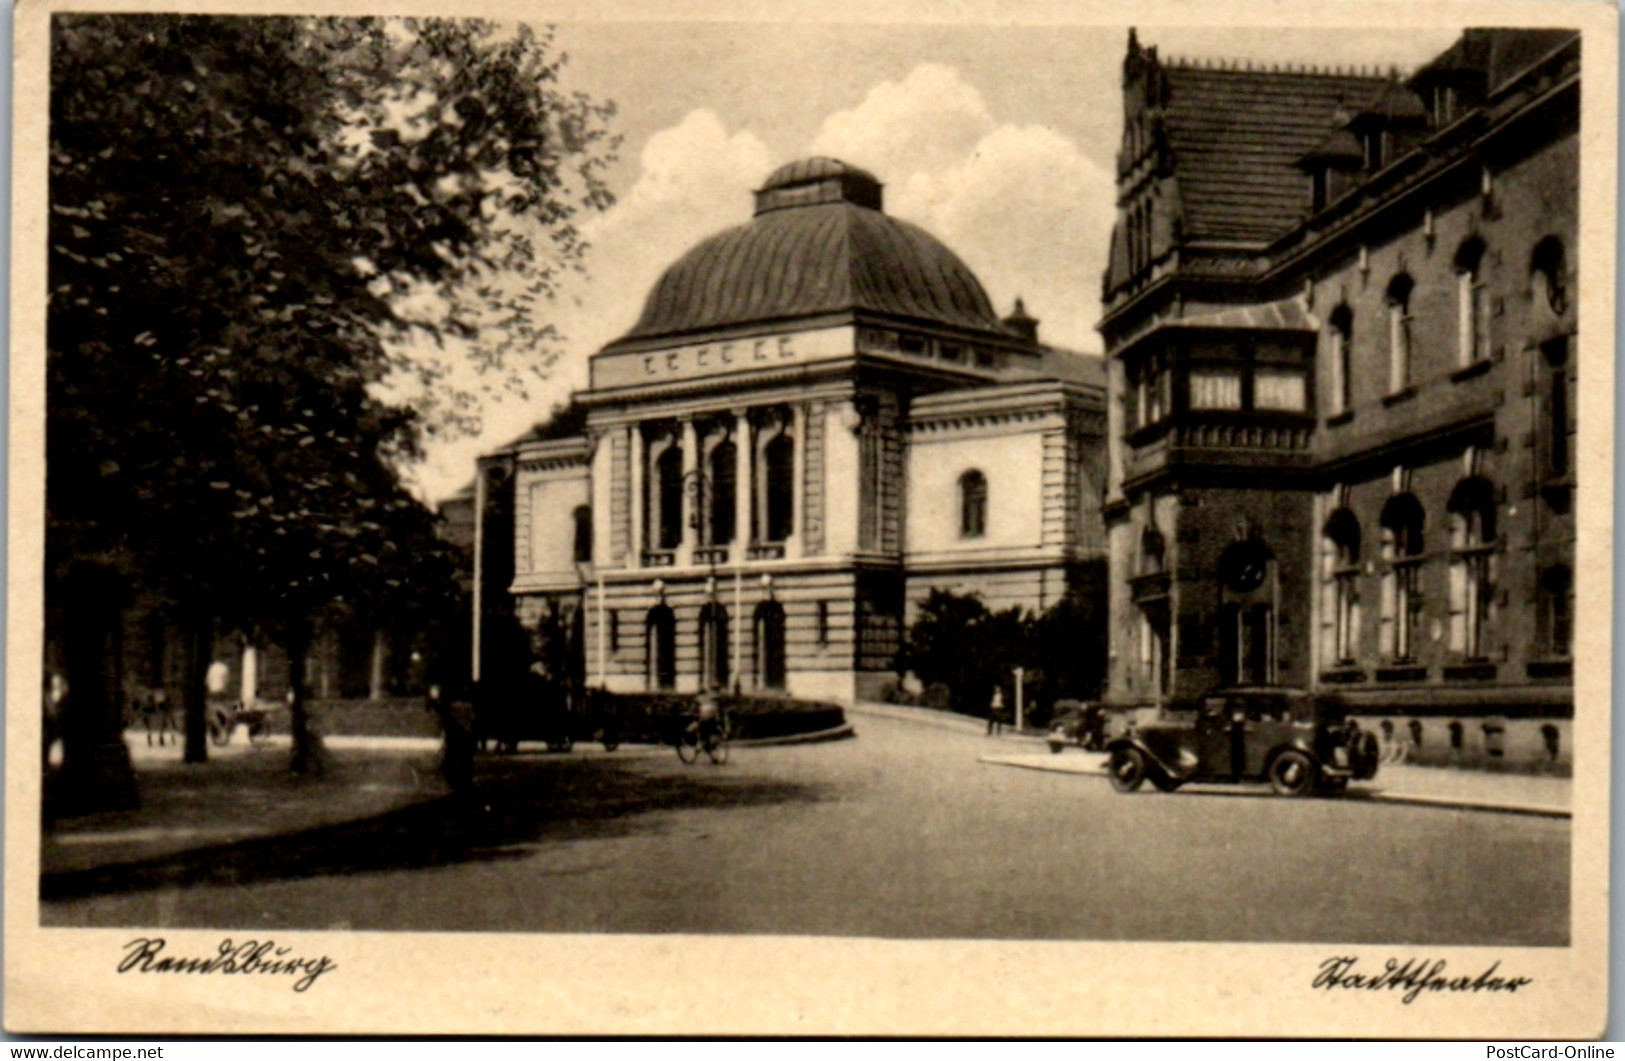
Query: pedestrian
(457, 754)
(995, 712)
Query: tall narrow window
(660, 629)
(1472, 303)
(669, 497)
(779, 457)
(1341, 542)
(1472, 545)
(1556, 421)
(1341, 337)
(1556, 612)
(972, 504)
(723, 475)
(1399, 333)
(1402, 554)
(583, 534)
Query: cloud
(1022, 205)
(1031, 216)
(925, 122)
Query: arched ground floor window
(770, 668)
(714, 670)
(661, 628)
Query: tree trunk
(96, 772)
(309, 756)
(198, 645)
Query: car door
(1214, 751)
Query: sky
(999, 140)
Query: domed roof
(818, 245)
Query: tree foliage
(957, 643)
(261, 231)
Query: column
(637, 493)
(742, 486)
(798, 485)
(691, 450)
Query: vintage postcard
(722, 518)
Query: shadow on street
(519, 802)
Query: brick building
(817, 419)
(1340, 322)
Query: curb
(1540, 810)
(841, 732)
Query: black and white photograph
(762, 519)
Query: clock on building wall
(1247, 569)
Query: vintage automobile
(1079, 723)
(1298, 742)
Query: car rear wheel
(1292, 774)
(1128, 769)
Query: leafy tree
(269, 239)
(958, 643)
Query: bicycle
(702, 734)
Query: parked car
(1298, 742)
(1076, 722)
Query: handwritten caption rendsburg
(145, 954)
(1412, 978)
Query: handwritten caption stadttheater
(1412, 978)
(145, 954)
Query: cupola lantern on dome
(818, 180)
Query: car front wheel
(1128, 769)
(1292, 774)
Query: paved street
(898, 833)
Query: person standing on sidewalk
(995, 713)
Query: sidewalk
(1422, 785)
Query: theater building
(1340, 322)
(817, 419)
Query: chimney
(1021, 324)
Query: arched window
(583, 528)
(1340, 559)
(669, 497)
(1472, 303)
(769, 628)
(1402, 545)
(724, 492)
(1342, 356)
(714, 671)
(1398, 298)
(780, 458)
(1556, 612)
(1472, 547)
(661, 630)
(972, 504)
(1549, 271)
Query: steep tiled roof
(1235, 137)
(818, 251)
